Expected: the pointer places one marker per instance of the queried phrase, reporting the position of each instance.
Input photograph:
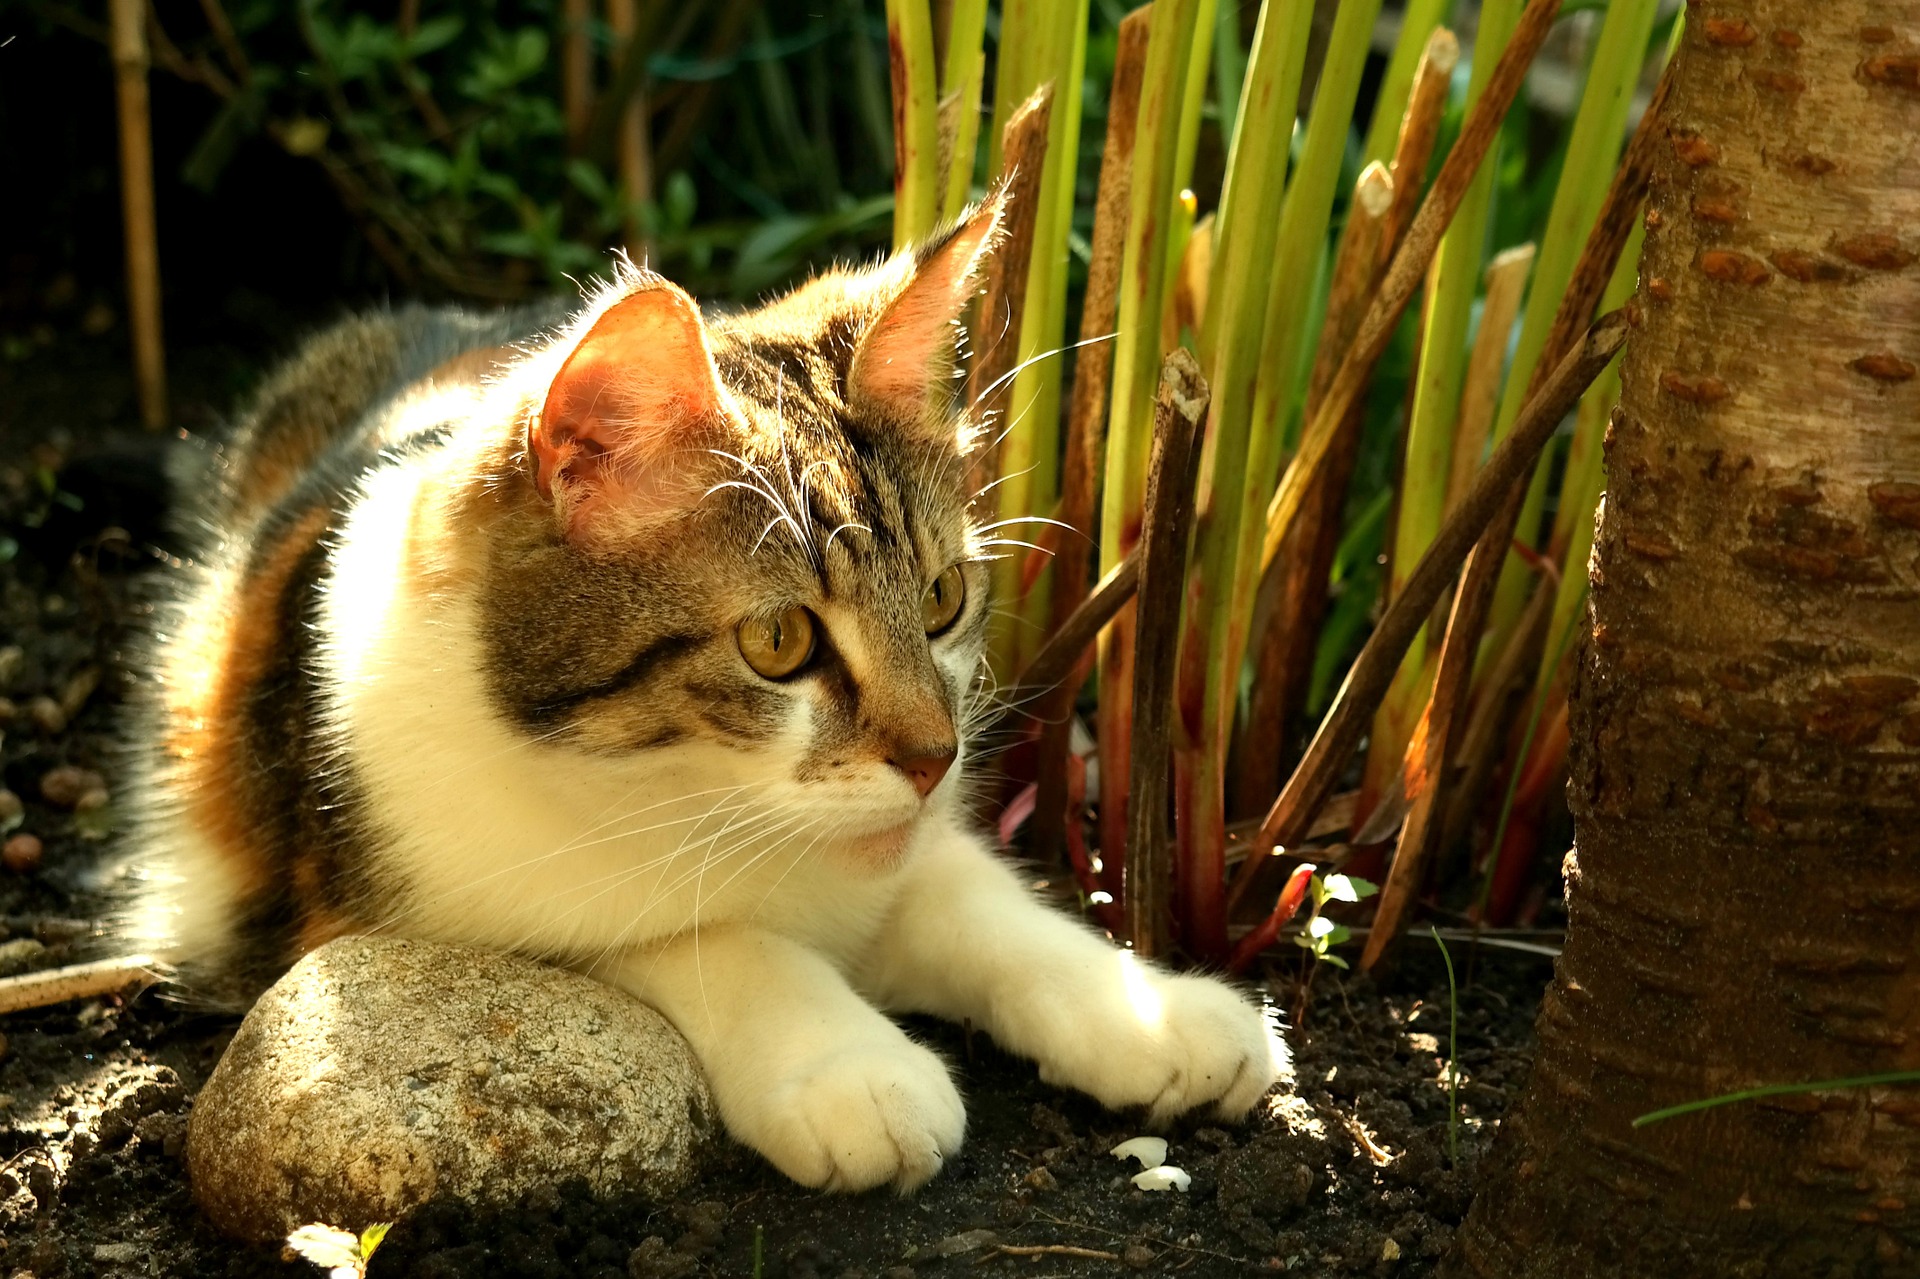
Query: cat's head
(741, 559)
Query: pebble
(11, 809)
(1137, 1256)
(586, 1084)
(18, 955)
(68, 786)
(8, 711)
(13, 660)
(47, 715)
(21, 853)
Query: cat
(650, 644)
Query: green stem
(1429, 450)
(1245, 442)
(960, 81)
(1416, 24)
(917, 180)
(1030, 454)
(1593, 153)
(1453, 1053)
(1778, 1090)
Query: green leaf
(433, 34)
(1335, 960)
(371, 1237)
(1363, 888)
(679, 202)
(1340, 889)
(429, 167)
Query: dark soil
(1356, 1171)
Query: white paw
(1175, 1043)
(869, 1114)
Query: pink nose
(924, 766)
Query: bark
(1744, 897)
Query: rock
(378, 1074)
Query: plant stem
(1030, 452)
(1506, 282)
(1247, 233)
(1429, 438)
(996, 336)
(960, 79)
(1453, 1054)
(1778, 1090)
(1179, 409)
(1086, 414)
(1417, 22)
(1367, 681)
(1136, 364)
(917, 177)
(1593, 149)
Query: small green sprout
(1321, 934)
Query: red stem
(1269, 930)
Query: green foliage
(1320, 934)
(447, 139)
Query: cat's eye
(778, 646)
(941, 604)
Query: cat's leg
(802, 1068)
(967, 940)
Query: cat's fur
(459, 663)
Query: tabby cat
(648, 643)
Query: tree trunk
(1745, 891)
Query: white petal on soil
(1150, 1151)
(1165, 1177)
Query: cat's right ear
(632, 408)
(904, 361)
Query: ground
(1361, 1168)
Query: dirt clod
(21, 853)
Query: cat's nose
(924, 766)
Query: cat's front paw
(1175, 1043)
(862, 1116)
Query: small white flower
(1150, 1151)
(1164, 1177)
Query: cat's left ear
(905, 359)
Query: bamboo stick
(1506, 281)
(1419, 128)
(1002, 304)
(1136, 362)
(76, 981)
(1417, 22)
(576, 70)
(130, 62)
(633, 152)
(918, 182)
(1086, 414)
(1409, 265)
(1367, 681)
(1178, 411)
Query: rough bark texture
(1745, 894)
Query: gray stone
(381, 1073)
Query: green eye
(777, 646)
(941, 604)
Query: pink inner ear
(910, 347)
(639, 384)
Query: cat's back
(319, 409)
(241, 822)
